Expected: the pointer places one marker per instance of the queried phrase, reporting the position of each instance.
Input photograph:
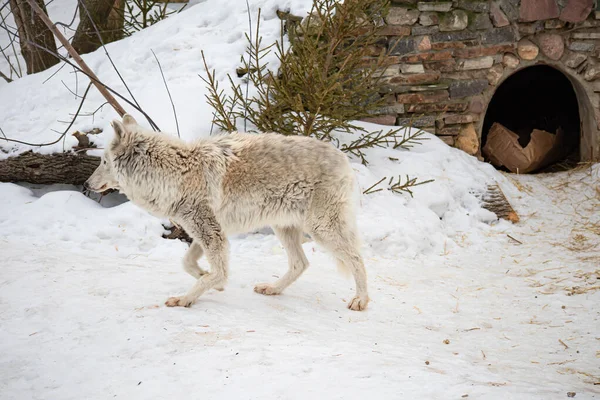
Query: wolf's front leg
(205, 229)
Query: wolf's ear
(129, 120)
(119, 129)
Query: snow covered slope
(31, 108)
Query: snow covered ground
(462, 306)
(82, 314)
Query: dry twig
(62, 135)
(168, 92)
(510, 237)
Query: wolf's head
(105, 176)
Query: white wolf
(235, 183)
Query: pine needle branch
(397, 186)
(217, 99)
(410, 139)
(326, 78)
(371, 189)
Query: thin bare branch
(68, 26)
(93, 113)
(107, 95)
(6, 78)
(63, 133)
(54, 73)
(11, 44)
(74, 93)
(168, 92)
(92, 78)
(97, 31)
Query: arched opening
(537, 97)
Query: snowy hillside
(462, 306)
(32, 107)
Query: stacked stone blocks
(446, 58)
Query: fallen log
(33, 167)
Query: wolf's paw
(266, 289)
(358, 303)
(178, 302)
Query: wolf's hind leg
(335, 230)
(190, 260)
(291, 239)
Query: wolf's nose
(86, 186)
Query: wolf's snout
(86, 185)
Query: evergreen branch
(400, 187)
(397, 186)
(410, 139)
(370, 189)
(217, 99)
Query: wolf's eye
(104, 162)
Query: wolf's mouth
(100, 189)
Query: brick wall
(448, 57)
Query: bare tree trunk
(31, 28)
(115, 25)
(107, 16)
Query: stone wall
(448, 57)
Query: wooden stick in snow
(109, 97)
